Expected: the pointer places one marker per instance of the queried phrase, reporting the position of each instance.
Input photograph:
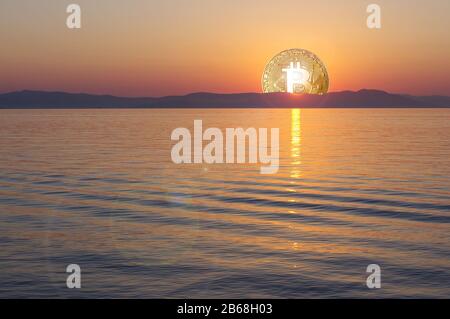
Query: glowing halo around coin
(295, 71)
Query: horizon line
(213, 93)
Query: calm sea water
(97, 188)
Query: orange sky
(154, 48)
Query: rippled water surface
(97, 188)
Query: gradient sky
(155, 48)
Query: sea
(98, 188)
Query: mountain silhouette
(351, 99)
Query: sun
(295, 71)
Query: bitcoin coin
(295, 71)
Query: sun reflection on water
(296, 141)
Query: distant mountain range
(350, 99)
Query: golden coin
(295, 71)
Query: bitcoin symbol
(295, 71)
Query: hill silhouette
(351, 99)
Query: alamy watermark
(374, 18)
(374, 279)
(373, 21)
(230, 148)
(73, 281)
(73, 21)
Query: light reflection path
(296, 142)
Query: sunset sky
(155, 48)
